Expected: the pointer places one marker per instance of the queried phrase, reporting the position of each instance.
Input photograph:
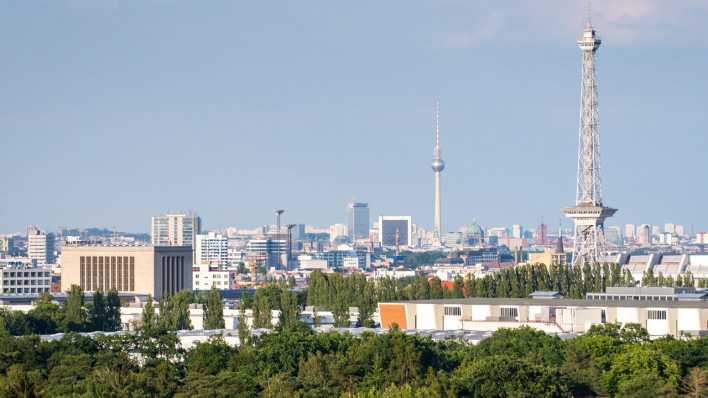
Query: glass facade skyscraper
(357, 220)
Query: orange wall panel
(393, 313)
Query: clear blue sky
(112, 111)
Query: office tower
(613, 236)
(395, 231)
(298, 232)
(680, 230)
(40, 246)
(655, 230)
(644, 235)
(154, 270)
(7, 246)
(541, 235)
(212, 249)
(516, 231)
(438, 166)
(175, 229)
(670, 228)
(589, 212)
(357, 220)
(630, 231)
(337, 231)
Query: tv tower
(589, 213)
(438, 166)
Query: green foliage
(297, 362)
(214, 311)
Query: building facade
(22, 276)
(154, 270)
(175, 230)
(358, 220)
(395, 231)
(40, 246)
(660, 315)
(212, 249)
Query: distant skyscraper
(212, 249)
(644, 235)
(438, 166)
(516, 231)
(680, 230)
(336, 231)
(358, 220)
(40, 246)
(589, 212)
(392, 226)
(630, 231)
(541, 235)
(670, 228)
(175, 229)
(655, 230)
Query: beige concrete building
(154, 270)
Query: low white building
(204, 277)
(21, 276)
(662, 311)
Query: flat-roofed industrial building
(154, 270)
(661, 312)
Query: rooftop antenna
(588, 10)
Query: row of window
(656, 314)
(25, 274)
(20, 282)
(453, 311)
(22, 290)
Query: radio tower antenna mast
(589, 212)
(438, 166)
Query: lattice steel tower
(589, 213)
(438, 166)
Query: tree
(74, 312)
(214, 311)
(695, 383)
(97, 312)
(640, 370)
(244, 333)
(113, 320)
(46, 316)
(289, 309)
(148, 320)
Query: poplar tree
(214, 310)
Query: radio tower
(438, 166)
(589, 213)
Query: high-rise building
(337, 231)
(175, 229)
(395, 231)
(7, 245)
(40, 246)
(680, 230)
(670, 228)
(644, 235)
(630, 231)
(589, 212)
(212, 249)
(655, 230)
(541, 235)
(516, 231)
(357, 220)
(438, 166)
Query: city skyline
(504, 144)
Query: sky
(112, 111)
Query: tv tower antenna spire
(589, 212)
(438, 166)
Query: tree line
(609, 361)
(75, 314)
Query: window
(657, 314)
(509, 312)
(450, 311)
